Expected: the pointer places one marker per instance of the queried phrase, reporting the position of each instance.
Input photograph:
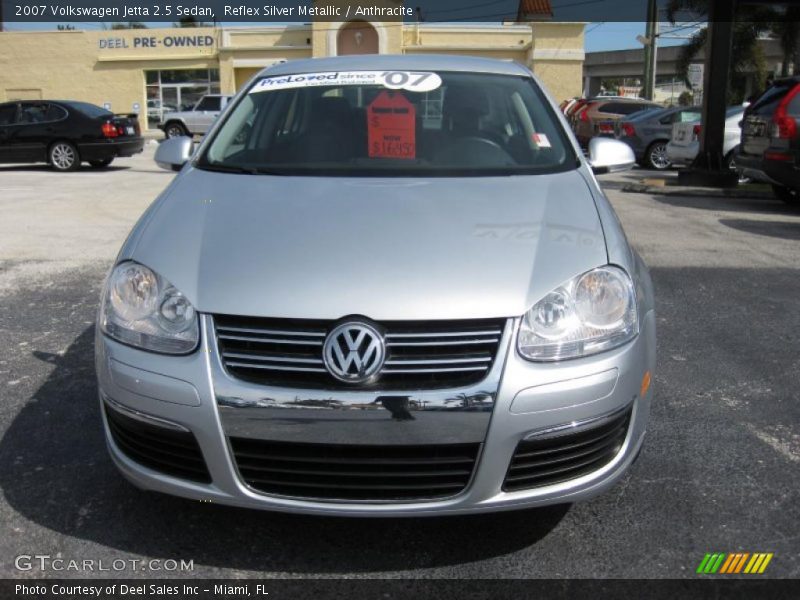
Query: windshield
(391, 124)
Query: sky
(614, 35)
(611, 35)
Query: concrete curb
(692, 192)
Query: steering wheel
(482, 140)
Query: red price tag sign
(391, 126)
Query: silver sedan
(384, 285)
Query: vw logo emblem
(354, 352)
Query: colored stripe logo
(730, 564)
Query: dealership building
(152, 71)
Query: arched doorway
(357, 37)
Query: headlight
(591, 313)
(142, 309)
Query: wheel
(730, 163)
(101, 164)
(788, 195)
(656, 157)
(64, 156)
(174, 130)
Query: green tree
(191, 22)
(787, 31)
(747, 55)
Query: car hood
(399, 248)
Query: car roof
(786, 80)
(398, 62)
(623, 100)
(651, 112)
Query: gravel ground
(720, 470)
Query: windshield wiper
(238, 169)
(228, 168)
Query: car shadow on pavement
(43, 168)
(55, 472)
(746, 205)
(776, 229)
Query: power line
(595, 26)
(690, 26)
(578, 3)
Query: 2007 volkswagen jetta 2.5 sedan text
(384, 285)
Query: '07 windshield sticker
(412, 81)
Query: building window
(177, 89)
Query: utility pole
(650, 41)
(709, 166)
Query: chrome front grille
(419, 355)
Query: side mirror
(609, 156)
(173, 153)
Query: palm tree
(747, 55)
(191, 22)
(787, 30)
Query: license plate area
(755, 129)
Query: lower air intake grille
(540, 462)
(165, 450)
(361, 473)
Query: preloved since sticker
(413, 81)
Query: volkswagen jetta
(384, 285)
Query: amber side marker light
(645, 384)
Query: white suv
(196, 121)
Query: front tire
(656, 156)
(788, 195)
(63, 156)
(101, 164)
(173, 130)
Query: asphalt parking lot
(720, 470)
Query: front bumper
(530, 397)
(682, 155)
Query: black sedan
(65, 133)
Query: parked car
(196, 121)
(770, 142)
(566, 105)
(606, 111)
(684, 145)
(377, 311)
(648, 132)
(155, 109)
(65, 133)
(572, 111)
